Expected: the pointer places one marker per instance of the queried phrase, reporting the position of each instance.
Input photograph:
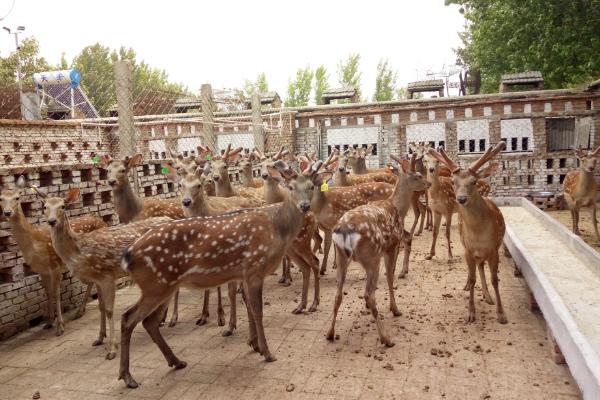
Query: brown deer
(372, 231)
(580, 188)
(220, 174)
(357, 160)
(94, 256)
(442, 199)
(246, 172)
(205, 252)
(128, 205)
(481, 225)
(342, 174)
(36, 247)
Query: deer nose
(432, 170)
(264, 175)
(186, 202)
(341, 169)
(112, 182)
(7, 213)
(52, 222)
(216, 178)
(305, 206)
(461, 199)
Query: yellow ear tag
(324, 186)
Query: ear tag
(95, 159)
(165, 170)
(208, 157)
(324, 186)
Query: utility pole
(18, 51)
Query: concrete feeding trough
(563, 273)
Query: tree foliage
(385, 82)
(559, 38)
(298, 92)
(260, 85)
(348, 73)
(31, 62)
(321, 83)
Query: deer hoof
(270, 358)
(98, 342)
(202, 321)
(78, 314)
(281, 280)
(60, 329)
(502, 319)
(488, 299)
(330, 336)
(396, 312)
(429, 257)
(299, 309)
(178, 364)
(254, 344)
(313, 308)
(227, 332)
(111, 355)
(470, 317)
(287, 282)
(172, 323)
(129, 381)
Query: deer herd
(218, 234)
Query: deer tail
(346, 239)
(126, 259)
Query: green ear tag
(95, 159)
(208, 157)
(165, 170)
(324, 186)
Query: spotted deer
(481, 225)
(219, 168)
(357, 160)
(442, 198)
(94, 256)
(580, 188)
(246, 172)
(206, 252)
(370, 232)
(36, 247)
(342, 174)
(128, 205)
(329, 204)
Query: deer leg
(151, 324)
(326, 248)
(108, 293)
(55, 279)
(389, 260)
(45, 279)
(252, 336)
(83, 304)
(255, 302)
(429, 213)
(232, 291)
(314, 266)
(576, 220)
(102, 308)
(484, 287)
(448, 227)
(220, 311)
(493, 262)
(372, 278)
(341, 278)
(595, 221)
(318, 242)
(407, 243)
(417, 211)
(437, 219)
(204, 316)
(471, 287)
(423, 209)
(175, 315)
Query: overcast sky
(224, 42)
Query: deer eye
(62, 207)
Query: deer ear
(39, 192)
(72, 196)
(134, 161)
(105, 161)
(489, 170)
(171, 172)
(322, 176)
(405, 166)
(21, 182)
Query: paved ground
(436, 355)
(585, 224)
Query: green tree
(260, 85)
(385, 82)
(321, 83)
(349, 75)
(298, 92)
(31, 62)
(559, 38)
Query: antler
(488, 155)
(279, 154)
(442, 157)
(227, 150)
(333, 157)
(595, 152)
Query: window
(549, 179)
(474, 134)
(513, 131)
(461, 146)
(549, 163)
(481, 144)
(560, 133)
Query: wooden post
(208, 124)
(257, 126)
(124, 93)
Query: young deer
(246, 176)
(372, 231)
(128, 205)
(36, 246)
(580, 188)
(205, 252)
(357, 160)
(481, 225)
(223, 186)
(94, 256)
(442, 198)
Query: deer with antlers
(246, 171)
(580, 188)
(245, 245)
(36, 246)
(370, 232)
(481, 225)
(357, 160)
(128, 205)
(94, 256)
(339, 163)
(442, 198)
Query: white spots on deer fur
(150, 263)
(148, 249)
(170, 268)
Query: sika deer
(223, 187)
(580, 188)
(342, 177)
(246, 176)
(357, 160)
(128, 205)
(372, 231)
(36, 246)
(205, 252)
(94, 256)
(481, 225)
